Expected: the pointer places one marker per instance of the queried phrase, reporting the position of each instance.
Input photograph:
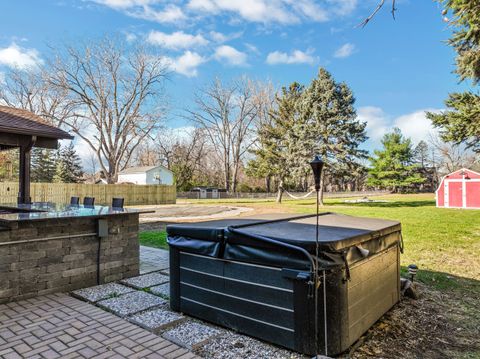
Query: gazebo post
(24, 172)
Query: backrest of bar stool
(118, 202)
(75, 200)
(89, 201)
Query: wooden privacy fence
(103, 193)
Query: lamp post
(317, 167)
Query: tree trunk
(280, 192)
(320, 196)
(267, 184)
(234, 178)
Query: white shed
(146, 175)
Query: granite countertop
(10, 213)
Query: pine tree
(44, 162)
(421, 154)
(278, 141)
(393, 166)
(460, 123)
(69, 166)
(330, 127)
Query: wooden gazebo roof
(23, 129)
(18, 125)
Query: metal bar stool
(75, 200)
(118, 202)
(89, 201)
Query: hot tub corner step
(131, 303)
(146, 280)
(157, 320)
(191, 334)
(100, 292)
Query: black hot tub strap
(347, 268)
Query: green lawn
(157, 239)
(444, 243)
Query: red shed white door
(472, 194)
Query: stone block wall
(31, 267)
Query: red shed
(459, 189)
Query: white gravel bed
(103, 291)
(191, 334)
(146, 280)
(157, 319)
(131, 303)
(161, 290)
(232, 346)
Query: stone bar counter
(46, 247)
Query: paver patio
(60, 326)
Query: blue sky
(397, 69)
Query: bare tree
(227, 113)
(117, 97)
(379, 6)
(184, 154)
(449, 157)
(28, 90)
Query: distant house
(146, 175)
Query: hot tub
(255, 276)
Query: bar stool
(118, 202)
(75, 200)
(89, 201)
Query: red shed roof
(22, 122)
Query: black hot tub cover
(286, 240)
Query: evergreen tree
(393, 166)
(330, 127)
(421, 154)
(460, 123)
(69, 166)
(278, 139)
(44, 162)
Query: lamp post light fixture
(412, 270)
(317, 167)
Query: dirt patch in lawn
(440, 324)
(183, 213)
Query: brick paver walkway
(59, 326)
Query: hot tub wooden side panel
(58, 255)
(374, 288)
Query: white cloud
(296, 57)
(146, 9)
(169, 14)
(187, 63)
(130, 37)
(344, 51)
(19, 57)
(219, 37)
(264, 11)
(176, 40)
(377, 122)
(231, 55)
(261, 11)
(343, 7)
(414, 125)
(124, 4)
